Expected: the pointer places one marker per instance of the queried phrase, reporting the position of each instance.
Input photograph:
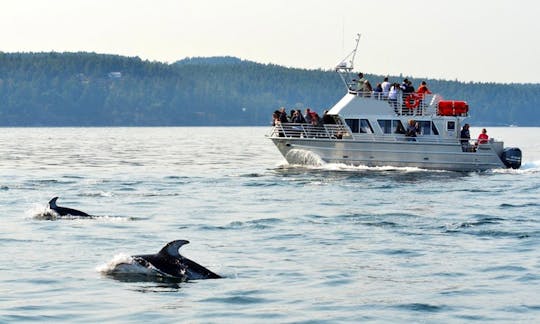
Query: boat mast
(345, 67)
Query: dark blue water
(319, 244)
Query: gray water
(327, 243)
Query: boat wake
(308, 160)
(356, 168)
(530, 167)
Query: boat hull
(425, 155)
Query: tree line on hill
(89, 89)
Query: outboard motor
(511, 157)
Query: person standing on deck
(360, 83)
(465, 136)
(423, 89)
(385, 85)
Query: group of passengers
(391, 91)
(384, 89)
(309, 117)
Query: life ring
(412, 101)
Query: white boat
(366, 128)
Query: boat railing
(328, 131)
(337, 131)
(408, 104)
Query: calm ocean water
(322, 244)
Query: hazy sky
(468, 40)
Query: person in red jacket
(483, 137)
(420, 94)
(423, 89)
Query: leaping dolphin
(63, 211)
(170, 264)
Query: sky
(465, 40)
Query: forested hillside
(88, 89)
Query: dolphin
(63, 211)
(169, 263)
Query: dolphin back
(62, 211)
(192, 269)
(52, 203)
(171, 248)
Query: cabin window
(359, 125)
(386, 126)
(353, 125)
(365, 126)
(398, 127)
(391, 126)
(451, 126)
(434, 129)
(427, 128)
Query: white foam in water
(113, 264)
(347, 167)
(533, 165)
(39, 211)
(526, 168)
(304, 157)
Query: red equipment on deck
(453, 108)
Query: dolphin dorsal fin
(52, 203)
(172, 248)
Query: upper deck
(357, 104)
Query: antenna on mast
(345, 66)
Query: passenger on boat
(483, 137)
(291, 114)
(423, 89)
(378, 93)
(327, 119)
(393, 96)
(421, 93)
(385, 85)
(412, 128)
(275, 118)
(367, 89)
(465, 136)
(406, 87)
(360, 81)
(283, 115)
(297, 117)
(307, 116)
(315, 119)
